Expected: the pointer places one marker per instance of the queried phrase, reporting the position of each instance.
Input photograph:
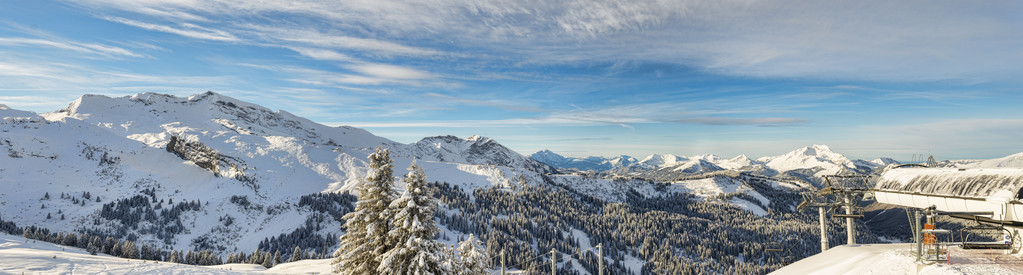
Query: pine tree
(296, 255)
(414, 250)
(174, 256)
(268, 260)
(190, 257)
(116, 249)
(129, 250)
(365, 238)
(473, 258)
(277, 257)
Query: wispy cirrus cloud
(93, 49)
(878, 40)
(322, 54)
(45, 86)
(183, 29)
(361, 74)
(501, 104)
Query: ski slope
(21, 256)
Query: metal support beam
(918, 232)
(824, 229)
(850, 228)
(554, 262)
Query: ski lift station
(989, 195)
(991, 199)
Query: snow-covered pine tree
(255, 257)
(277, 257)
(415, 251)
(268, 260)
(296, 255)
(174, 256)
(365, 238)
(129, 250)
(116, 249)
(473, 259)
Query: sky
(578, 77)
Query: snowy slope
(658, 160)
(735, 163)
(221, 150)
(18, 256)
(818, 157)
(472, 150)
(880, 259)
(1014, 160)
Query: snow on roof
(887, 259)
(976, 183)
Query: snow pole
(824, 229)
(502, 262)
(600, 259)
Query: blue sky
(868, 78)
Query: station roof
(956, 182)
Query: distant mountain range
(212, 172)
(807, 162)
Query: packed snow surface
(21, 256)
(879, 259)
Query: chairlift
(854, 216)
(965, 234)
(774, 247)
(788, 260)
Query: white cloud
(62, 81)
(389, 71)
(305, 37)
(184, 29)
(501, 104)
(321, 54)
(873, 40)
(87, 48)
(366, 74)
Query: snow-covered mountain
(816, 157)
(233, 172)
(808, 163)
(212, 172)
(591, 163)
(473, 150)
(1014, 160)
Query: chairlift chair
(965, 234)
(774, 247)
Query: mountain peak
(661, 160)
(478, 138)
(814, 150)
